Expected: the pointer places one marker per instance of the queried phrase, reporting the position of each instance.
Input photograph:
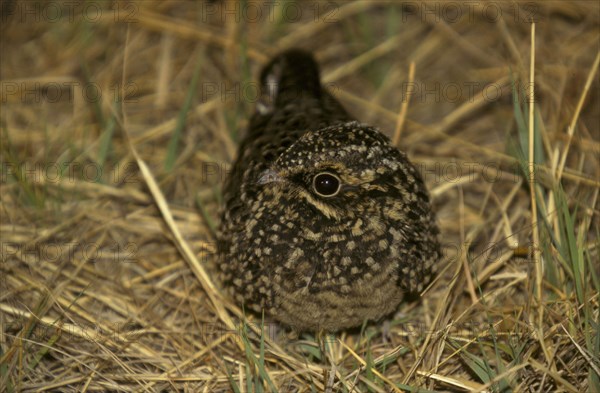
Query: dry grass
(108, 204)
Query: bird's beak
(269, 176)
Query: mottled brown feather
(312, 261)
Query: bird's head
(341, 173)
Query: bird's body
(325, 224)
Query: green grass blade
(234, 386)
(259, 364)
(106, 140)
(172, 148)
(13, 168)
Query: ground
(119, 122)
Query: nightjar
(325, 223)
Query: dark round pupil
(326, 184)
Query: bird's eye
(326, 184)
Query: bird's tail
(291, 75)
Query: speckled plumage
(313, 261)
